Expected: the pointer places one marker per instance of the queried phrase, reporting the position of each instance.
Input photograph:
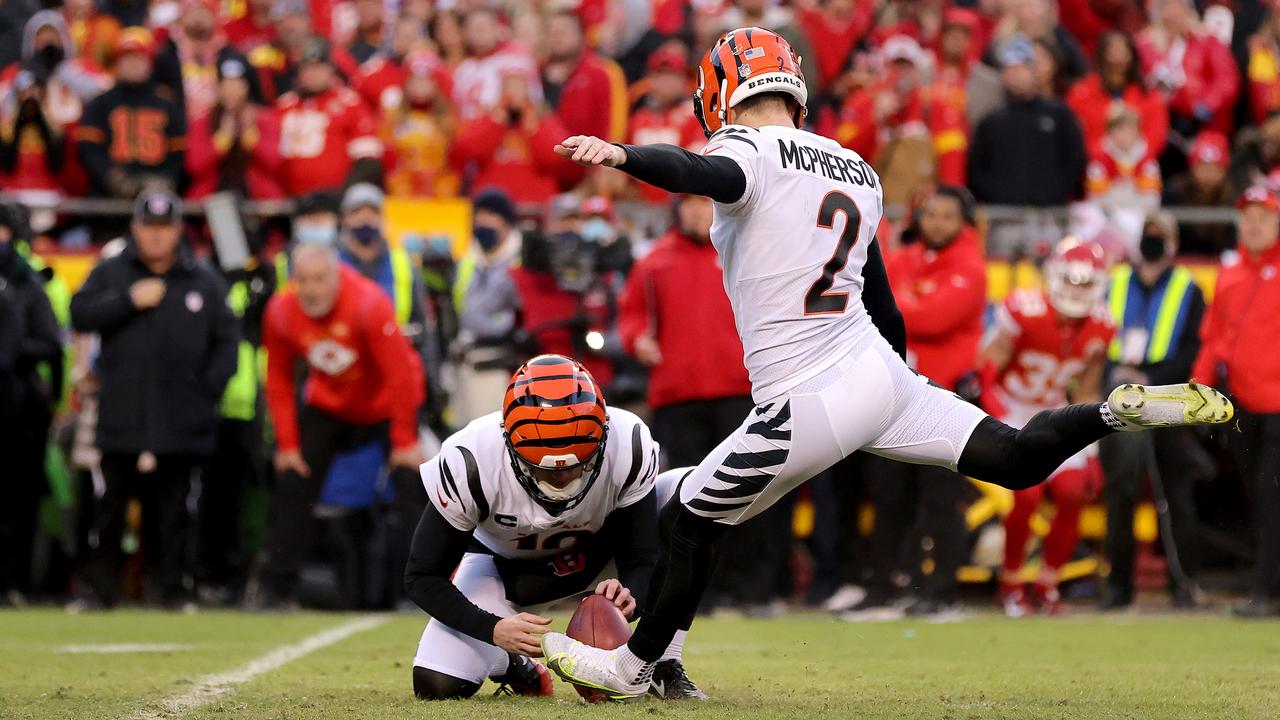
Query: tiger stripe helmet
(554, 419)
(742, 63)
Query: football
(599, 623)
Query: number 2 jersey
(1049, 352)
(793, 248)
(473, 486)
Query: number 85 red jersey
(1049, 350)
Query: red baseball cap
(1210, 146)
(596, 205)
(1259, 195)
(962, 17)
(135, 39)
(668, 59)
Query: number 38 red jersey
(1049, 350)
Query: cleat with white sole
(1140, 407)
(592, 667)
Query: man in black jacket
(1030, 152)
(32, 338)
(168, 347)
(1157, 309)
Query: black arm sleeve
(677, 170)
(877, 297)
(436, 550)
(633, 531)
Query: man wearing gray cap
(168, 347)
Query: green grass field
(801, 666)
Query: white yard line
(112, 648)
(212, 687)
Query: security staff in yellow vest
(363, 245)
(1157, 309)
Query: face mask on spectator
(487, 237)
(314, 234)
(597, 230)
(366, 235)
(51, 56)
(1151, 247)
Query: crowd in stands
(1114, 108)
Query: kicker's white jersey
(472, 484)
(793, 248)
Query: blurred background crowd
(165, 418)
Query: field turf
(799, 666)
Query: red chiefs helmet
(1076, 277)
(746, 62)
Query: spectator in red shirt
(94, 32)
(1192, 68)
(948, 94)
(675, 318)
(511, 147)
(382, 77)
(479, 81)
(834, 28)
(253, 29)
(1123, 175)
(1238, 335)
(939, 281)
(1117, 80)
(417, 131)
(327, 135)
(33, 148)
(1089, 20)
(663, 114)
(587, 92)
(1263, 67)
(236, 146)
(362, 385)
(368, 31)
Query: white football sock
(631, 668)
(676, 647)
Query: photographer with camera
(569, 285)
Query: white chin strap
(565, 493)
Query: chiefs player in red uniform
(326, 130)
(1047, 349)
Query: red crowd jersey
(360, 368)
(1049, 350)
(674, 126)
(321, 137)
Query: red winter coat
(593, 101)
(1091, 102)
(676, 294)
(1239, 332)
(1212, 77)
(517, 159)
(942, 295)
(544, 308)
(205, 157)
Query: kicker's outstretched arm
(668, 167)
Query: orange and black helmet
(745, 62)
(554, 419)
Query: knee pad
(433, 685)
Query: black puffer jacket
(162, 370)
(33, 337)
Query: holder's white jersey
(793, 248)
(474, 488)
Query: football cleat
(671, 682)
(1048, 599)
(1013, 598)
(1138, 407)
(592, 667)
(525, 676)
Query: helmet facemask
(553, 499)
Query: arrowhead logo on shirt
(331, 357)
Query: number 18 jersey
(793, 248)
